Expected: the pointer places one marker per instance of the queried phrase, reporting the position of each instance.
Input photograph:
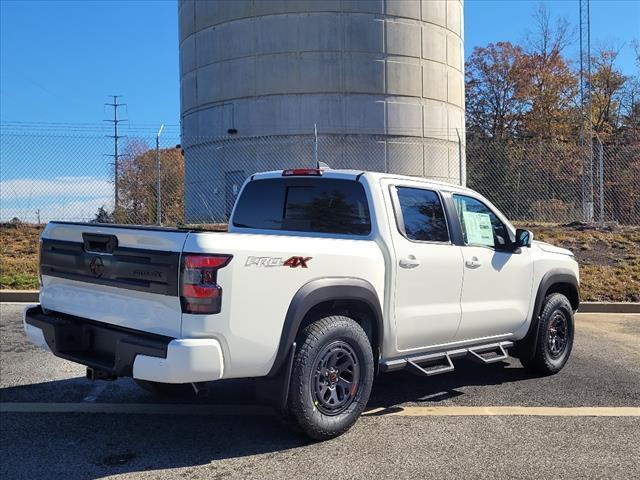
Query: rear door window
(422, 215)
(318, 205)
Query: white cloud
(31, 188)
(72, 210)
(57, 198)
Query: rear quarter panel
(256, 297)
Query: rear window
(318, 205)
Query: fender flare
(319, 291)
(552, 277)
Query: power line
(10, 127)
(115, 137)
(78, 124)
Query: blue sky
(613, 23)
(60, 60)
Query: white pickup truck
(325, 278)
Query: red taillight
(206, 261)
(302, 171)
(200, 292)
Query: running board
(435, 363)
(488, 354)
(429, 365)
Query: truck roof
(374, 176)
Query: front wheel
(332, 377)
(554, 340)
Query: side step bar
(430, 365)
(488, 354)
(435, 363)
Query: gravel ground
(604, 371)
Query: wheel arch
(557, 280)
(331, 295)
(561, 281)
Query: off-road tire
(542, 360)
(166, 390)
(306, 410)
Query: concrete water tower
(382, 79)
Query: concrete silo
(382, 79)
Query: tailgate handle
(96, 243)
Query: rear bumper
(124, 352)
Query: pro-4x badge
(294, 262)
(291, 262)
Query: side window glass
(423, 215)
(480, 226)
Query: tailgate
(126, 276)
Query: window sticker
(478, 227)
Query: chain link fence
(543, 182)
(72, 177)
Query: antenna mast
(586, 126)
(315, 145)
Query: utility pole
(38, 215)
(600, 176)
(115, 137)
(159, 184)
(460, 168)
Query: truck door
(497, 284)
(428, 274)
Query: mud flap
(274, 389)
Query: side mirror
(523, 238)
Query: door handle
(473, 263)
(409, 262)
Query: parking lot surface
(477, 421)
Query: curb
(31, 296)
(609, 307)
(27, 296)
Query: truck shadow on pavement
(397, 388)
(107, 444)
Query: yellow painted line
(258, 410)
(507, 411)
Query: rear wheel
(332, 377)
(554, 339)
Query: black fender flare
(552, 277)
(319, 291)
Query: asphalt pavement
(478, 421)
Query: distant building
(382, 79)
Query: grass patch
(19, 252)
(609, 258)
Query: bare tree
(547, 39)
(551, 88)
(608, 90)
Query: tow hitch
(95, 374)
